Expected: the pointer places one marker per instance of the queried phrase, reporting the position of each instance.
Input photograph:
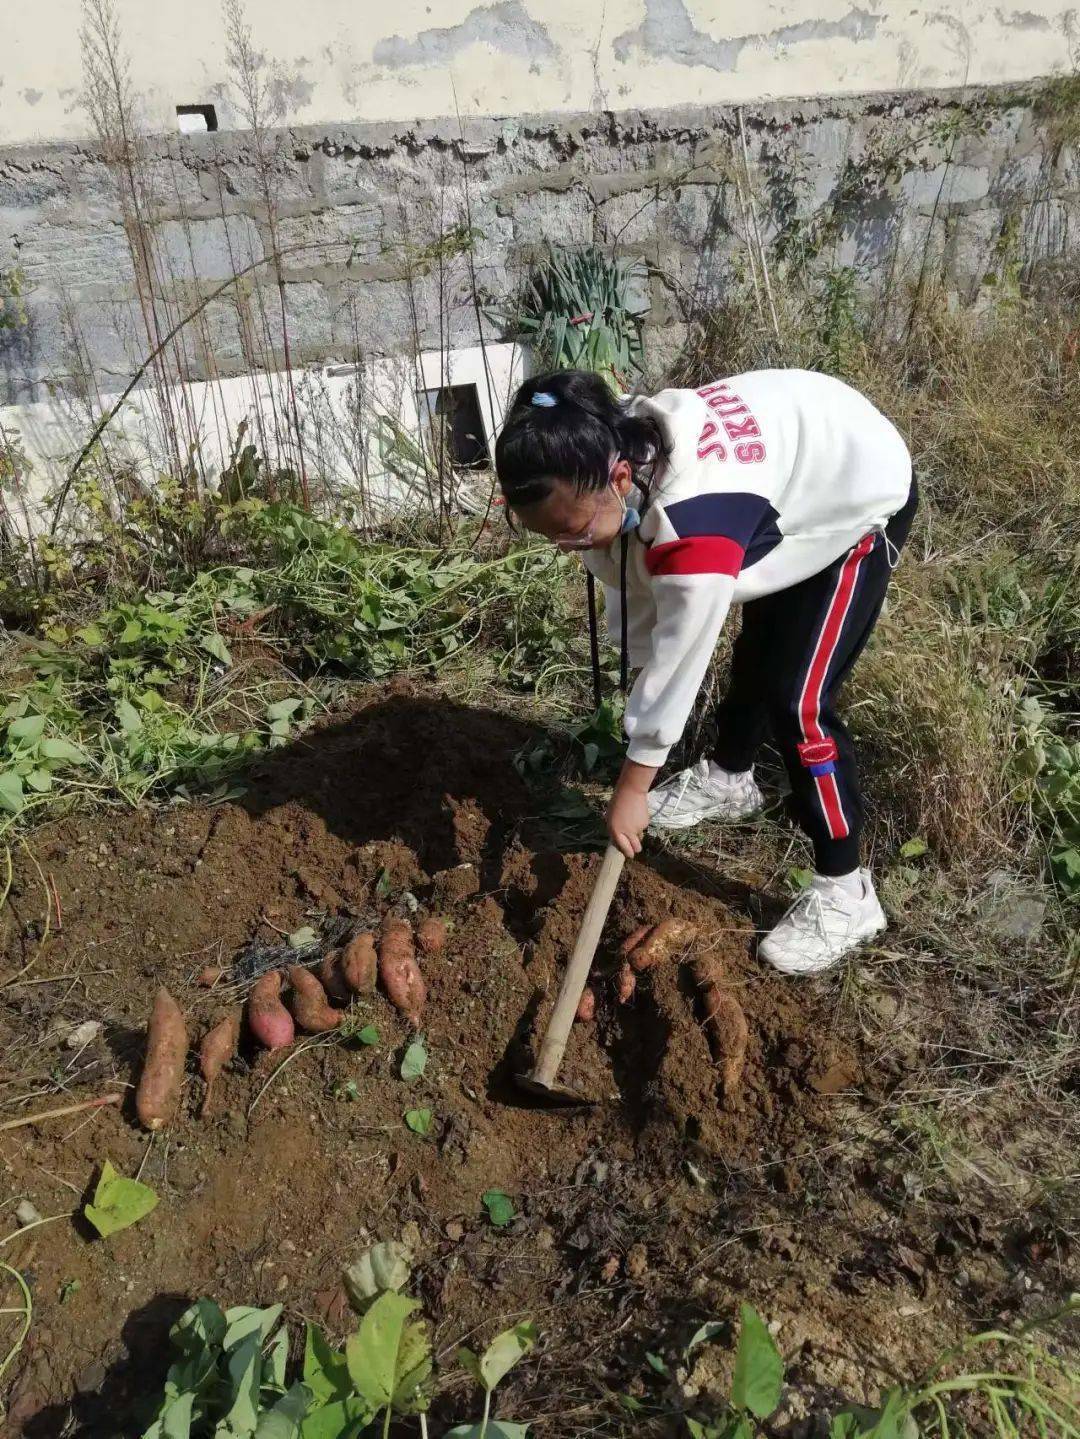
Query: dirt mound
(303, 1164)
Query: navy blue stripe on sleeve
(747, 519)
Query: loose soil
(637, 1218)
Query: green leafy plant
(230, 1373)
(32, 753)
(756, 1384)
(228, 1377)
(599, 739)
(131, 701)
(335, 1410)
(583, 311)
(132, 663)
(389, 1358)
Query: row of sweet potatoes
(354, 971)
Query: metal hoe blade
(557, 1096)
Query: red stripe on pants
(810, 700)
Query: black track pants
(794, 651)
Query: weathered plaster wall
(336, 62)
(969, 180)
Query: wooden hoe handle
(577, 971)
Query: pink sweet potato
(163, 1069)
(586, 1010)
(399, 971)
(359, 964)
(631, 942)
(725, 1026)
(665, 940)
(332, 979)
(217, 1048)
(270, 1022)
(310, 1006)
(431, 936)
(625, 984)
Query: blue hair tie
(544, 399)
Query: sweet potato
(309, 1004)
(217, 1048)
(270, 1022)
(586, 1010)
(210, 976)
(431, 936)
(668, 938)
(359, 964)
(163, 1069)
(725, 1026)
(631, 942)
(625, 984)
(332, 979)
(399, 971)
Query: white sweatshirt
(771, 476)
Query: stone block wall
(363, 217)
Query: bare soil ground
(659, 1207)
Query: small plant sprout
(415, 1060)
(118, 1202)
(499, 1206)
(489, 1369)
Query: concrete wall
(329, 61)
(356, 209)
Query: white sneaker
(700, 793)
(825, 923)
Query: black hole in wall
(460, 405)
(207, 114)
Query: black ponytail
(571, 439)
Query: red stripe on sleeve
(696, 555)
